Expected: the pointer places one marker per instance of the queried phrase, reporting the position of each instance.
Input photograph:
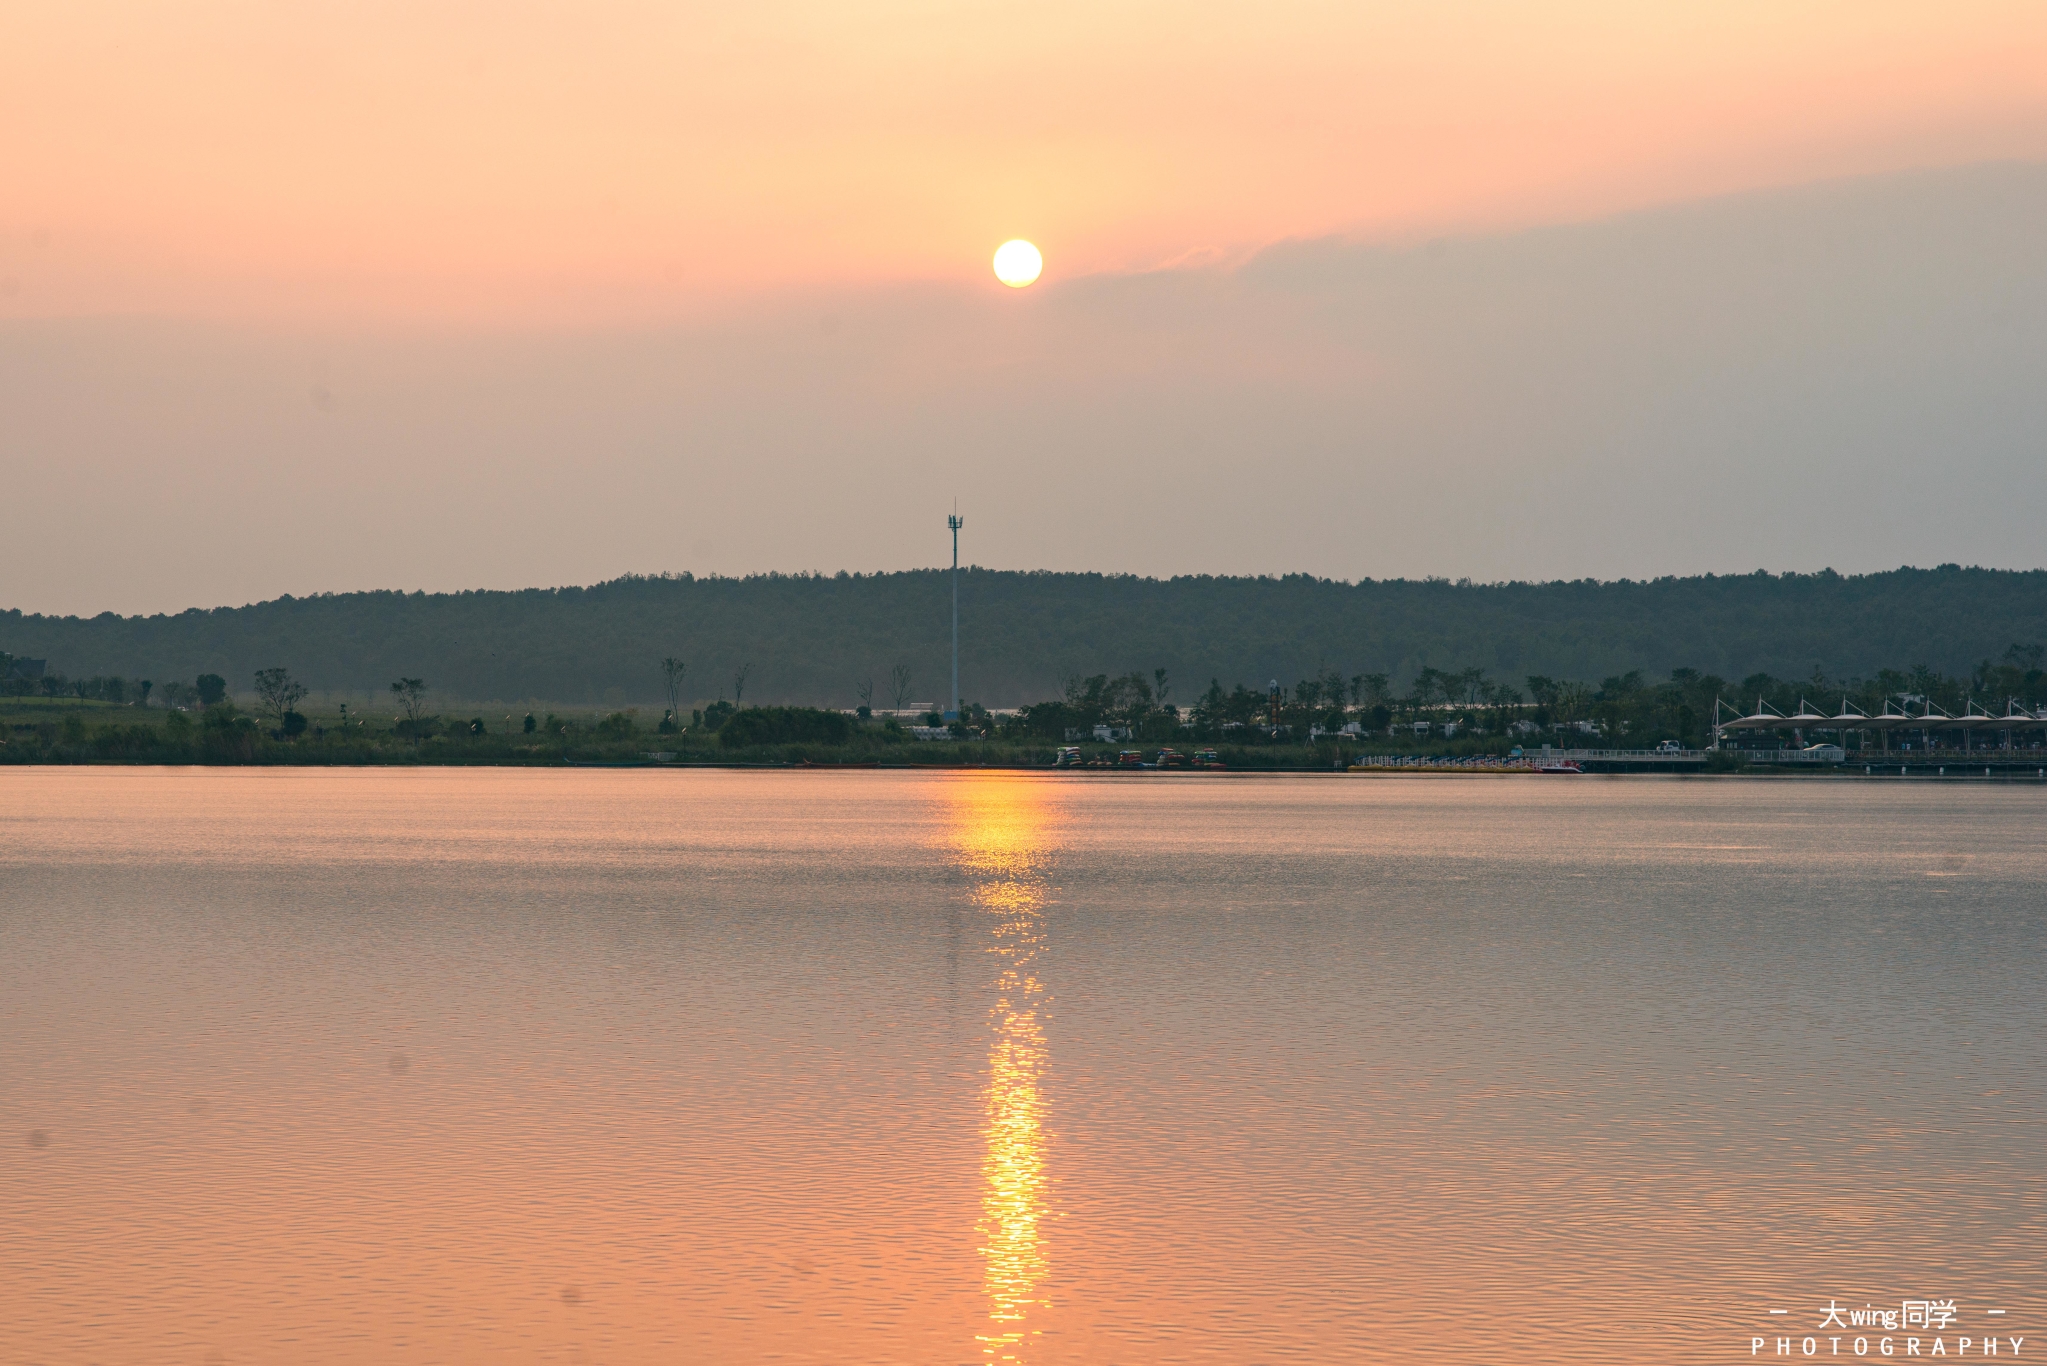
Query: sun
(1017, 263)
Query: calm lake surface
(646, 1066)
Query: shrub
(785, 726)
(125, 742)
(226, 737)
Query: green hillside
(812, 639)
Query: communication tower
(955, 521)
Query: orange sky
(564, 164)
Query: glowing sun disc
(1017, 263)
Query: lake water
(651, 1066)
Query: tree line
(1679, 707)
(837, 639)
(1140, 705)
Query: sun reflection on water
(1001, 835)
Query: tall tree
(1571, 701)
(899, 685)
(279, 693)
(1332, 699)
(672, 671)
(1429, 685)
(739, 677)
(1133, 699)
(1471, 687)
(1308, 700)
(411, 696)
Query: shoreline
(1975, 773)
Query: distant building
(26, 668)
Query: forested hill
(812, 639)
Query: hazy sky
(306, 296)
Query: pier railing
(1632, 756)
(1788, 756)
(1485, 761)
(1530, 759)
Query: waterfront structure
(1932, 722)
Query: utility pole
(955, 521)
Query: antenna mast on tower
(955, 521)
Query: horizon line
(687, 576)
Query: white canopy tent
(1931, 718)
